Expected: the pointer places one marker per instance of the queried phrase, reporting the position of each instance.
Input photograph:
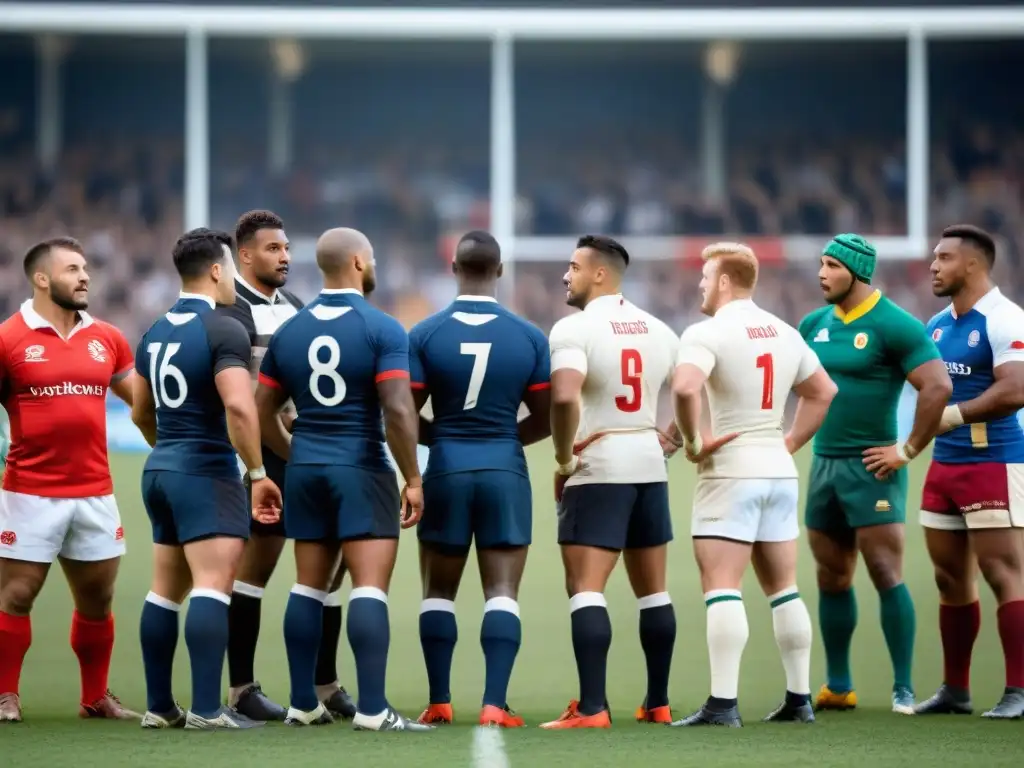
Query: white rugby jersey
(627, 356)
(752, 360)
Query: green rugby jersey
(868, 353)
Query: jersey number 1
(766, 363)
(632, 377)
(166, 370)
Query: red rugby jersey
(55, 390)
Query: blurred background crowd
(393, 138)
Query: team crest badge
(936, 334)
(883, 506)
(34, 354)
(860, 340)
(97, 351)
(973, 339)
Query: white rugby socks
(727, 637)
(793, 634)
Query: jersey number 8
(158, 376)
(327, 369)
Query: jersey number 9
(166, 371)
(632, 377)
(327, 369)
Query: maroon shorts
(976, 496)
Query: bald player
(342, 362)
(745, 502)
(608, 365)
(477, 362)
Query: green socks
(837, 615)
(899, 624)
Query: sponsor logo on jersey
(957, 369)
(34, 354)
(8, 538)
(860, 340)
(69, 388)
(882, 505)
(936, 334)
(973, 338)
(822, 335)
(1017, 345)
(97, 352)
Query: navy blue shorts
(615, 516)
(336, 503)
(275, 467)
(494, 507)
(183, 508)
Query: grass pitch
(544, 679)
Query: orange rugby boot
(573, 718)
(502, 718)
(437, 714)
(829, 699)
(109, 707)
(654, 715)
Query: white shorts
(39, 529)
(747, 509)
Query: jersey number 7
(632, 376)
(480, 352)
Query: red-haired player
(56, 365)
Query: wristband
(569, 467)
(952, 417)
(906, 452)
(257, 474)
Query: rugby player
(340, 486)
(262, 305)
(972, 506)
(608, 365)
(56, 364)
(193, 402)
(856, 497)
(477, 362)
(745, 502)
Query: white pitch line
(489, 748)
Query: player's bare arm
(815, 394)
(401, 427)
(566, 386)
(143, 409)
(536, 426)
(687, 384)
(234, 386)
(1004, 398)
(124, 387)
(275, 434)
(934, 388)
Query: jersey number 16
(159, 375)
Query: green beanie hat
(855, 253)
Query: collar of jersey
(272, 299)
(35, 321)
(601, 301)
(734, 305)
(468, 297)
(340, 292)
(982, 305)
(860, 310)
(185, 296)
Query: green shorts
(842, 494)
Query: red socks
(93, 643)
(1011, 633)
(15, 638)
(959, 626)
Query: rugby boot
(109, 707)
(829, 699)
(10, 708)
(947, 701)
(902, 700)
(319, 716)
(794, 709)
(388, 720)
(340, 704)
(654, 714)
(502, 718)
(225, 719)
(1010, 707)
(437, 714)
(708, 715)
(255, 705)
(573, 718)
(174, 718)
